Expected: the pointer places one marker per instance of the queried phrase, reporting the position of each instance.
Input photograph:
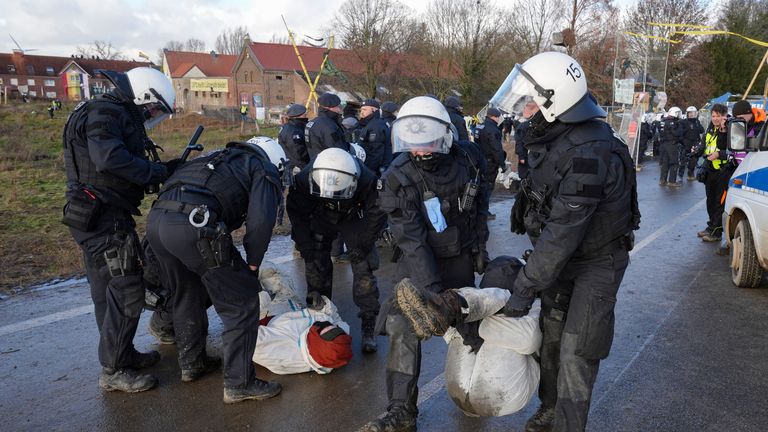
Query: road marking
(656, 234)
(44, 320)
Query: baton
(192, 145)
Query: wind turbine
(20, 49)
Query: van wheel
(745, 269)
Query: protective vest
(243, 109)
(448, 185)
(213, 175)
(711, 147)
(616, 216)
(77, 160)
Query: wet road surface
(689, 352)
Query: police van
(746, 207)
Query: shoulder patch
(585, 165)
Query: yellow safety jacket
(711, 140)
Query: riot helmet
(555, 82)
(422, 125)
(153, 91)
(674, 112)
(358, 151)
(334, 174)
(691, 112)
(271, 148)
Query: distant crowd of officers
(683, 146)
(412, 171)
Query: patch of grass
(34, 245)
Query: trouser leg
(554, 309)
(682, 161)
(319, 273)
(403, 364)
(664, 170)
(691, 166)
(365, 288)
(715, 186)
(670, 151)
(588, 334)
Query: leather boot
(429, 313)
(397, 419)
(125, 380)
(208, 365)
(258, 390)
(541, 421)
(369, 344)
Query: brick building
(201, 79)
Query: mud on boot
(140, 360)
(125, 380)
(541, 421)
(164, 337)
(208, 365)
(397, 419)
(429, 313)
(368, 326)
(258, 390)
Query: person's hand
(481, 261)
(518, 306)
(714, 156)
(315, 300)
(171, 165)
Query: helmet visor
(421, 134)
(332, 184)
(514, 92)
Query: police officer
(579, 208)
(521, 130)
(336, 194)
(453, 106)
(189, 230)
(646, 135)
(670, 137)
(373, 136)
(325, 130)
(291, 136)
(488, 137)
(107, 172)
(692, 131)
(434, 196)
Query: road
(689, 352)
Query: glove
(171, 165)
(481, 260)
(315, 300)
(470, 334)
(518, 306)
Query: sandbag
(502, 377)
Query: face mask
(436, 218)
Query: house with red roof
(201, 79)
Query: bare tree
(373, 30)
(101, 49)
(194, 45)
(533, 24)
(230, 41)
(280, 39)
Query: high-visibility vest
(711, 140)
(243, 109)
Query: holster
(123, 257)
(215, 246)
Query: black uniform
(577, 207)
(291, 139)
(670, 136)
(692, 131)
(520, 150)
(233, 186)
(373, 137)
(655, 128)
(388, 118)
(434, 261)
(646, 135)
(104, 142)
(317, 221)
(324, 131)
(457, 119)
(488, 137)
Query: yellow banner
(652, 37)
(723, 32)
(683, 25)
(209, 84)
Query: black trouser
(669, 158)
(715, 186)
(685, 161)
(365, 289)
(490, 178)
(641, 151)
(233, 290)
(404, 358)
(117, 300)
(577, 320)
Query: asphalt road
(689, 352)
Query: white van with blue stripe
(746, 207)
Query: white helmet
(556, 82)
(334, 174)
(674, 112)
(358, 151)
(153, 90)
(274, 151)
(422, 125)
(691, 109)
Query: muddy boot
(258, 390)
(164, 337)
(703, 233)
(140, 360)
(429, 313)
(711, 238)
(125, 380)
(397, 419)
(541, 421)
(369, 336)
(209, 364)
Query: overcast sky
(57, 27)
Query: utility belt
(625, 242)
(214, 242)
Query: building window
(205, 94)
(31, 69)
(245, 79)
(49, 83)
(33, 93)
(14, 81)
(49, 70)
(279, 97)
(251, 76)
(50, 95)
(278, 77)
(195, 94)
(11, 69)
(30, 82)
